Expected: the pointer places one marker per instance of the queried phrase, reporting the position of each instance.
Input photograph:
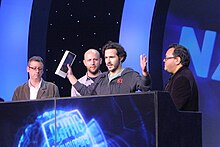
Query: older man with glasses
(181, 85)
(35, 87)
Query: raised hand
(143, 64)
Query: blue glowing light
(14, 24)
(70, 130)
(97, 134)
(201, 58)
(216, 75)
(135, 30)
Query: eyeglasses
(36, 68)
(167, 58)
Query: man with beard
(35, 87)
(92, 62)
(117, 80)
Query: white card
(68, 58)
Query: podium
(140, 119)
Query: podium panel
(140, 119)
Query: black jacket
(183, 90)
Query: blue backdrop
(14, 30)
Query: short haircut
(36, 58)
(182, 52)
(114, 45)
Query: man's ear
(178, 60)
(84, 62)
(121, 58)
(27, 69)
(100, 61)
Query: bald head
(91, 51)
(92, 62)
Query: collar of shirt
(34, 90)
(89, 78)
(115, 76)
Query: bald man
(92, 62)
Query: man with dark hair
(117, 80)
(36, 87)
(182, 85)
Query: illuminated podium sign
(72, 131)
(141, 119)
